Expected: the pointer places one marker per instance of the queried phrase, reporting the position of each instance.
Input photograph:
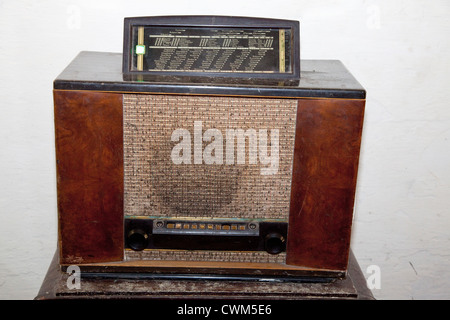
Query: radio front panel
(224, 163)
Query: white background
(398, 50)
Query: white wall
(398, 50)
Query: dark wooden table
(54, 286)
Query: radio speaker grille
(157, 184)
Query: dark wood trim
(327, 145)
(217, 90)
(211, 268)
(89, 162)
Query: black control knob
(274, 243)
(137, 239)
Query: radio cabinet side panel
(326, 156)
(89, 160)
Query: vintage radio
(203, 150)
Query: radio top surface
(102, 71)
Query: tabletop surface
(54, 286)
